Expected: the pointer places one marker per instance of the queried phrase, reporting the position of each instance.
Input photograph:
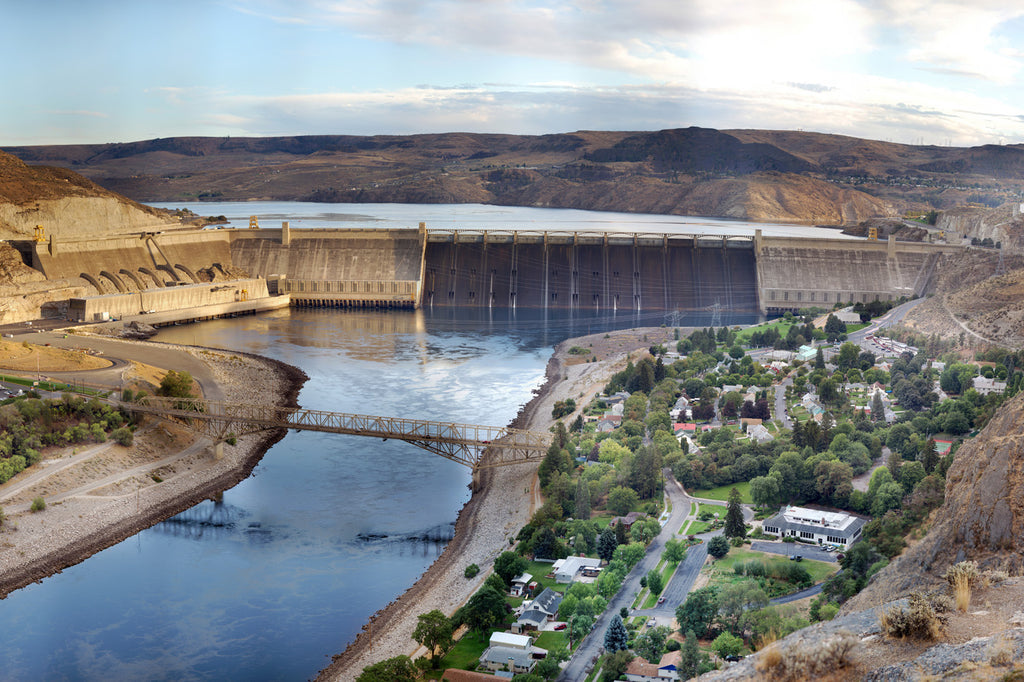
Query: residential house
(986, 386)
(813, 525)
(668, 668)
(519, 585)
(511, 651)
(530, 620)
(547, 602)
(759, 433)
(681, 410)
(628, 520)
(504, 658)
(566, 569)
(639, 670)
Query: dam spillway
(592, 272)
(548, 270)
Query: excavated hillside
(973, 298)
(65, 204)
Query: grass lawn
(552, 640)
(538, 570)
(722, 492)
(743, 335)
(696, 527)
(721, 572)
(465, 652)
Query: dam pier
(228, 271)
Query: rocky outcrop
(1003, 225)
(981, 520)
(65, 204)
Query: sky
(941, 72)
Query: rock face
(65, 204)
(981, 520)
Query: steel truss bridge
(477, 447)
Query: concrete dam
(408, 268)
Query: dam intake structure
(505, 269)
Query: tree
(434, 632)
(621, 500)
(718, 546)
(396, 669)
(615, 636)
(582, 499)
(734, 527)
(651, 644)
(698, 611)
(484, 609)
(176, 385)
(834, 328)
(727, 644)
(606, 544)
(690, 657)
(929, 455)
(675, 550)
(877, 407)
(508, 565)
(764, 490)
(819, 357)
(614, 664)
(654, 582)
(579, 626)
(738, 598)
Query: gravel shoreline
(35, 546)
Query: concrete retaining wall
(92, 308)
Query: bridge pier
(218, 451)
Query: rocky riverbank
(86, 514)
(491, 519)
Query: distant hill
(746, 174)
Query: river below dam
(284, 571)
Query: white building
(818, 527)
(565, 570)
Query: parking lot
(788, 548)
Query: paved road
(809, 592)
(593, 645)
(780, 403)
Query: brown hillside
(754, 175)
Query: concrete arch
(133, 277)
(187, 271)
(170, 271)
(118, 284)
(157, 281)
(94, 282)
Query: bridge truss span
(476, 446)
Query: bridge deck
(474, 445)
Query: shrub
(962, 578)
(123, 435)
(38, 504)
(471, 571)
(918, 620)
(802, 661)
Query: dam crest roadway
(475, 446)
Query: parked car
(561, 626)
(661, 600)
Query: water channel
(280, 575)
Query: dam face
(594, 273)
(407, 268)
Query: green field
(721, 572)
(743, 336)
(722, 492)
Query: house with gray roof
(815, 526)
(500, 657)
(547, 602)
